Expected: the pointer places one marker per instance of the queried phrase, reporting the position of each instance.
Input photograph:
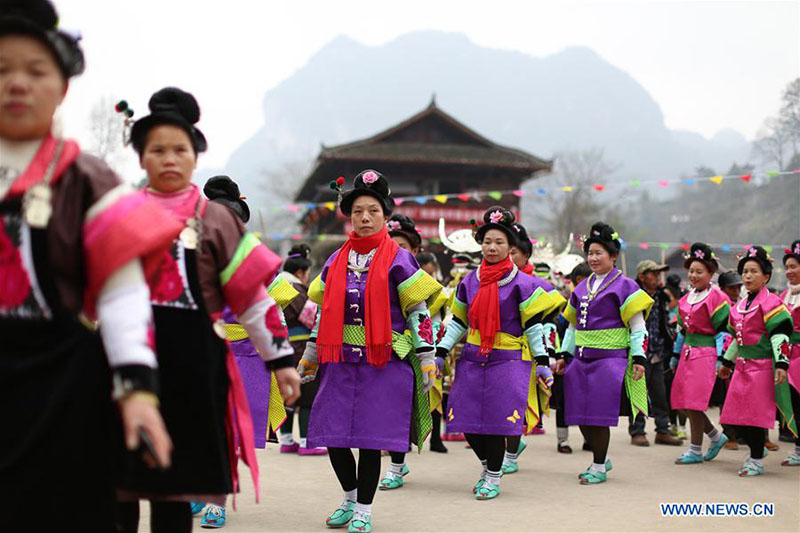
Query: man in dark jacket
(659, 348)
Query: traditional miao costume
(490, 396)
(606, 336)
(791, 299)
(301, 315)
(702, 321)
(73, 241)
(761, 326)
(373, 318)
(213, 263)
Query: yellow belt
(503, 341)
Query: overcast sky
(709, 64)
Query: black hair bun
(40, 12)
(300, 250)
(174, 100)
(221, 187)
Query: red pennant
(746, 177)
(686, 246)
(600, 188)
(663, 183)
(399, 201)
(644, 246)
(518, 193)
(463, 197)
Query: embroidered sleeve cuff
(639, 360)
(128, 379)
(535, 336)
(455, 332)
(568, 344)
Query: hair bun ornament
(174, 100)
(299, 250)
(127, 120)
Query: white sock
(598, 468)
(303, 443)
(696, 449)
(286, 439)
(363, 509)
(797, 450)
(562, 434)
(493, 477)
(396, 469)
(510, 457)
(758, 462)
(349, 497)
(714, 435)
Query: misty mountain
(573, 99)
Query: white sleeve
(126, 318)
(270, 344)
(638, 323)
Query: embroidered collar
(742, 305)
(695, 297)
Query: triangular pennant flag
(399, 201)
(623, 245)
(518, 193)
(663, 183)
(297, 237)
(495, 195)
(746, 177)
(689, 181)
(441, 198)
(294, 208)
(773, 173)
(541, 191)
(686, 246)
(663, 246)
(330, 206)
(600, 188)
(322, 237)
(725, 248)
(420, 200)
(644, 246)
(463, 197)
(717, 179)
(768, 248)
(567, 188)
(636, 183)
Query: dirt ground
(298, 492)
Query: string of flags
(644, 245)
(544, 191)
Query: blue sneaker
(521, 447)
(197, 507)
(690, 458)
(214, 517)
(713, 449)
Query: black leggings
(303, 414)
(755, 439)
(795, 409)
(489, 448)
(165, 517)
(364, 478)
(598, 438)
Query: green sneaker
(593, 478)
(750, 469)
(391, 481)
(478, 485)
(510, 467)
(360, 524)
(341, 517)
(609, 467)
(488, 491)
(792, 460)
(521, 447)
(689, 458)
(714, 448)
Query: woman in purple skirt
(374, 376)
(500, 312)
(606, 340)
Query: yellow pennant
(441, 198)
(330, 206)
(717, 179)
(568, 188)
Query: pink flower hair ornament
(393, 225)
(495, 217)
(369, 177)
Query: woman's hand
(724, 372)
(289, 384)
(139, 413)
(638, 372)
(560, 366)
(780, 376)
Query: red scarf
(377, 315)
(485, 308)
(528, 269)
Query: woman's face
(793, 271)
(31, 88)
(403, 243)
(495, 246)
(519, 258)
(431, 268)
(367, 216)
(168, 158)
(699, 275)
(733, 292)
(753, 277)
(302, 275)
(600, 261)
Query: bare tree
(574, 211)
(790, 114)
(773, 144)
(106, 127)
